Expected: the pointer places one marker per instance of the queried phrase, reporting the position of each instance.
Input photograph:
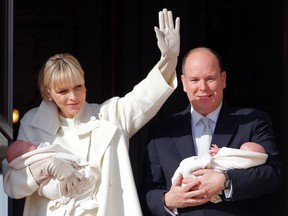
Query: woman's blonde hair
(59, 71)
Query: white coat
(104, 131)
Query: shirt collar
(197, 116)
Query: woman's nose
(72, 95)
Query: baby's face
(19, 148)
(23, 146)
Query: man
(180, 137)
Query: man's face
(203, 81)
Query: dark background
(116, 45)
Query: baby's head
(18, 148)
(252, 146)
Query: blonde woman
(99, 133)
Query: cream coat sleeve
(135, 109)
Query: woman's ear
(48, 94)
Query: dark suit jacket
(171, 141)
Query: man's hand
(184, 196)
(168, 37)
(212, 181)
(71, 180)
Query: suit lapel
(184, 141)
(225, 127)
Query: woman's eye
(78, 87)
(62, 92)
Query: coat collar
(47, 119)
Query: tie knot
(205, 121)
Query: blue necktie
(206, 136)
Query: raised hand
(167, 35)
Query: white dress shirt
(197, 126)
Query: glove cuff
(39, 170)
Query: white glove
(168, 40)
(70, 179)
(168, 37)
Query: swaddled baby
(249, 155)
(21, 154)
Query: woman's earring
(50, 99)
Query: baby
(22, 153)
(18, 148)
(249, 155)
(247, 146)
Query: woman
(99, 133)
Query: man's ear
(223, 77)
(183, 83)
